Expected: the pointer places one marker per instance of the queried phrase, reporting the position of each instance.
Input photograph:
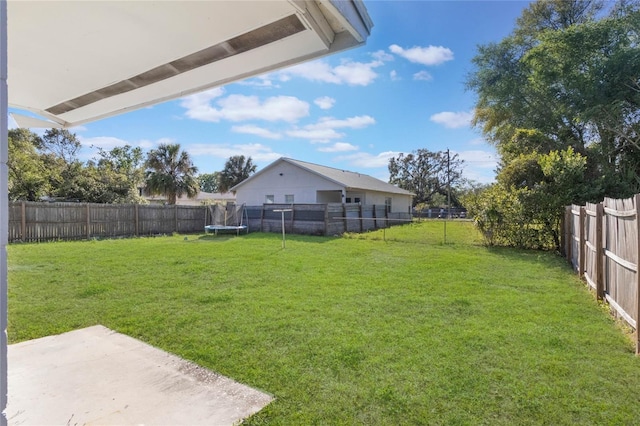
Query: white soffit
(78, 61)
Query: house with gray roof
(289, 181)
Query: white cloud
(349, 72)
(484, 159)
(202, 98)
(423, 75)
(243, 108)
(325, 102)
(364, 159)
(324, 130)
(430, 55)
(251, 129)
(479, 165)
(104, 142)
(257, 152)
(147, 144)
(381, 55)
(315, 135)
(357, 122)
(339, 147)
(477, 141)
(452, 120)
(394, 75)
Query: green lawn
(354, 330)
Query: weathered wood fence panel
(111, 220)
(621, 256)
(602, 244)
(31, 221)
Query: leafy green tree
(564, 79)
(61, 143)
(113, 177)
(469, 193)
(525, 207)
(236, 169)
(59, 149)
(171, 172)
(560, 100)
(28, 174)
(556, 15)
(209, 182)
(425, 173)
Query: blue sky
(402, 91)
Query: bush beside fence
(602, 243)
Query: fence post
(637, 312)
(361, 218)
(206, 214)
(583, 246)
(386, 216)
(23, 222)
(262, 219)
(293, 213)
(344, 214)
(175, 215)
(326, 219)
(88, 222)
(569, 221)
(599, 253)
(137, 219)
(375, 217)
(563, 233)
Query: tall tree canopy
(49, 167)
(171, 172)
(61, 143)
(209, 182)
(425, 173)
(117, 175)
(560, 100)
(28, 172)
(236, 169)
(569, 81)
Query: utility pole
(448, 195)
(448, 185)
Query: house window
(269, 199)
(387, 204)
(356, 200)
(288, 199)
(347, 200)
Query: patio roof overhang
(71, 62)
(77, 61)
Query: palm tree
(236, 169)
(171, 173)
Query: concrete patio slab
(97, 376)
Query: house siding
(284, 179)
(399, 203)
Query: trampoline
(227, 219)
(217, 228)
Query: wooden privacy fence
(31, 221)
(602, 244)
